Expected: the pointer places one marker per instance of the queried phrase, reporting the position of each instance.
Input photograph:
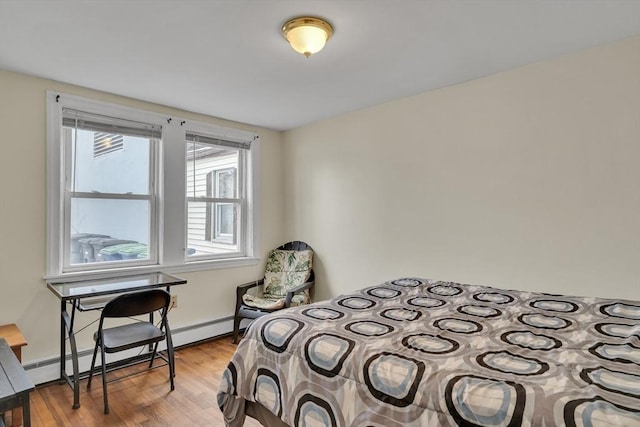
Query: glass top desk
(92, 295)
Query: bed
(418, 352)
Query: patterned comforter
(416, 352)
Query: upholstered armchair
(287, 282)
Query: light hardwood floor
(145, 399)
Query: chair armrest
(306, 285)
(242, 289)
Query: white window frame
(68, 194)
(171, 188)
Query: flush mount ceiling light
(307, 34)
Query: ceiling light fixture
(306, 34)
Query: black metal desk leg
(63, 351)
(68, 322)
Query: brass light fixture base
(307, 34)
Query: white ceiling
(227, 58)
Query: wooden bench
(15, 385)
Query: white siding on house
(197, 175)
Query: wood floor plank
(144, 399)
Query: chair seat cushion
(262, 303)
(130, 336)
(286, 270)
(274, 304)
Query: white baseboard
(47, 370)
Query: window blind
(110, 125)
(243, 145)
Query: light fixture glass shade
(307, 35)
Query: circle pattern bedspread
(417, 352)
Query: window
(109, 200)
(117, 178)
(215, 195)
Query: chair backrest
(296, 245)
(137, 303)
(288, 266)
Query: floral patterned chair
(287, 282)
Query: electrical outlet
(174, 301)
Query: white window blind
(243, 145)
(97, 123)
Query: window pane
(224, 221)
(212, 228)
(211, 171)
(109, 163)
(105, 230)
(225, 183)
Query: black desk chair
(287, 282)
(132, 335)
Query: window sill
(171, 269)
(210, 265)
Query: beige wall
(24, 298)
(528, 179)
